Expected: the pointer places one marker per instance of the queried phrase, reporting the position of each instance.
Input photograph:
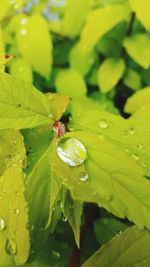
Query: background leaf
(129, 248)
(36, 50)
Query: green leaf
(138, 48)
(142, 9)
(107, 228)
(75, 16)
(109, 74)
(132, 79)
(36, 50)
(131, 136)
(70, 83)
(139, 102)
(80, 60)
(115, 183)
(42, 187)
(22, 106)
(108, 17)
(73, 211)
(21, 68)
(131, 248)
(4, 6)
(13, 206)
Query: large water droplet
(71, 151)
(83, 176)
(2, 224)
(11, 247)
(103, 124)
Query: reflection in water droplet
(11, 247)
(103, 124)
(2, 224)
(71, 151)
(83, 176)
(135, 156)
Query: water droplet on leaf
(103, 124)
(11, 247)
(71, 151)
(131, 131)
(64, 219)
(17, 211)
(135, 156)
(83, 176)
(2, 224)
(18, 106)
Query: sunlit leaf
(142, 9)
(107, 18)
(110, 72)
(133, 46)
(129, 248)
(36, 46)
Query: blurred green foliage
(89, 63)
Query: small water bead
(55, 253)
(51, 116)
(135, 156)
(140, 146)
(103, 124)
(17, 211)
(131, 131)
(18, 106)
(71, 151)
(11, 247)
(83, 176)
(2, 224)
(64, 219)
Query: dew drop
(55, 253)
(103, 124)
(17, 211)
(51, 116)
(11, 247)
(64, 219)
(2, 224)
(135, 156)
(18, 106)
(100, 136)
(140, 146)
(131, 131)
(71, 151)
(83, 176)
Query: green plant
(75, 152)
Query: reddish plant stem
(76, 253)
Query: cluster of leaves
(90, 63)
